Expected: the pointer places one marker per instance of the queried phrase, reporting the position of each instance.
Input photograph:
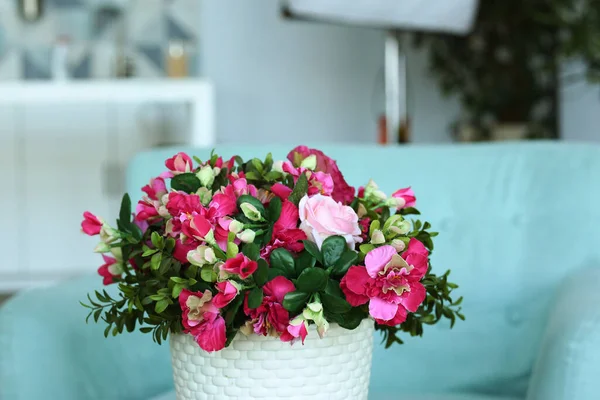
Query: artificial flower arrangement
(216, 248)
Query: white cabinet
(63, 150)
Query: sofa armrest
(568, 365)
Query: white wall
(281, 80)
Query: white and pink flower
(390, 283)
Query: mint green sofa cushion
(516, 221)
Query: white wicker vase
(257, 367)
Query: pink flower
(156, 189)
(270, 317)
(202, 319)
(179, 163)
(183, 203)
(342, 192)
(407, 195)
(228, 290)
(110, 270)
(322, 217)
(145, 211)
(318, 182)
(281, 191)
(390, 283)
(240, 265)
(182, 249)
(295, 330)
(285, 231)
(91, 225)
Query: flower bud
(108, 235)
(377, 237)
(398, 245)
(277, 166)
(309, 162)
(362, 210)
(236, 226)
(247, 236)
(206, 175)
(205, 195)
(250, 212)
(202, 255)
(373, 194)
(102, 248)
(314, 312)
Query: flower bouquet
(237, 260)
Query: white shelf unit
(53, 153)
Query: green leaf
(155, 261)
(274, 272)
(365, 248)
(125, 212)
(146, 329)
(347, 259)
(303, 261)
(246, 198)
(334, 304)
(252, 176)
(300, 189)
(136, 232)
(233, 308)
(258, 165)
(177, 290)
(149, 252)
(251, 250)
(187, 182)
(157, 240)
(273, 176)
(349, 320)
(313, 250)
(261, 275)
(255, 298)
(268, 162)
(332, 249)
(177, 279)
(312, 280)
(295, 301)
(409, 211)
(333, 288)
(170, 244)
(161, 305)
(208, 274)
(274, 210)
(283, 260)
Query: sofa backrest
(514, 219)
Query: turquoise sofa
(519, 228)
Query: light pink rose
(321, 217)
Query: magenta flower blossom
(156, 189)
(286, 233)
(110, 270)
(318, 182)
(270, 317)
(390, 283)
(341, 190)
(179, 163)
(228, 290)
(202, 319)
(91, 225)
(407, 195)
(240, 265)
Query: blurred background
(86, 84)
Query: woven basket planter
(256, 367)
